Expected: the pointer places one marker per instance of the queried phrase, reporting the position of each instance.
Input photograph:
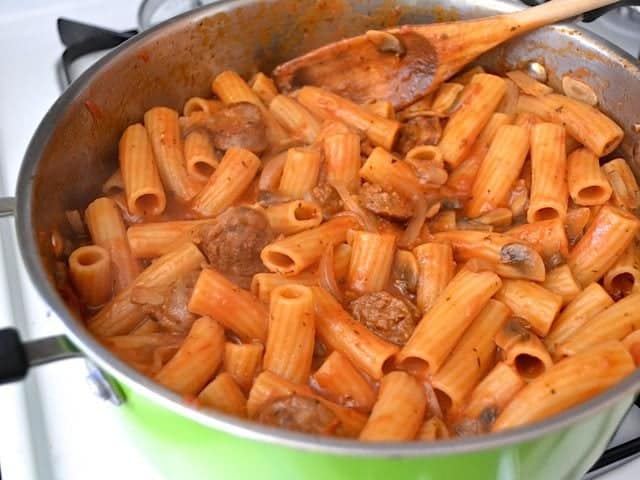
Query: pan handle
(17, 357)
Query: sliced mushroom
(515, 330)
(520, 261)
(386, 42)
(579, 90)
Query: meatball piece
(385, 202)
(233, 243)
(301, 414)
(236, 125)
(169, 305)
(419, 131)
(386, 316)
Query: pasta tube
(204, 105)
(114, 184)
(591, 301)
(382, 169)
(443, 325)
(548, 173)
(295, 118)
(121, 315)
(300, 173)
(196, 361)
(435, 270)
(462, 177)
(547, 237)
(339, 331)
(199, 155)
(164, 132)
(293, 217)
(530, 301)
(397, 390)
(290, 339)
(144, 191)
(90, 270)
(342, 381)
(264, 87)
(472, 357)
(529, 85)
(433, 429)
(371, 260)
(494, 392)
(608, 236)
(446, 97)
(383, 108)
(624, 277)
(342, 157)
(232, 177)
(477, 103)
(381, 131)
(242, 362)
(150, 240)
(223, 394)
(107, 230)
(499, 169)
(612, 323)
(262, 284)
(523, 350)
(561, 282)
(512, 259)
(626, 192)
(587, 184)
(566, 384)
(234, 308)
(293, 254)
(585, 123)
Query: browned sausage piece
(236, 125)
(299, 413)
(385, 202)
(418, 131)
(386, 316)
(328, 199)
(233, 243)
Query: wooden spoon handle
(554, 11)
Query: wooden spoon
(405, 63)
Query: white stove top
(52, 426)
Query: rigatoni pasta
(164, 132)
(349, 270)
(548, 173)
(478, 102)
(145, 193)
(290, 340)
(107, 230)
(587, 184)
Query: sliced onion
(416, 223)
(432, 401)
(351, 204)
(271, 172)
(327, 274)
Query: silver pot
(75, 149)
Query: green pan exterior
(185, 450)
